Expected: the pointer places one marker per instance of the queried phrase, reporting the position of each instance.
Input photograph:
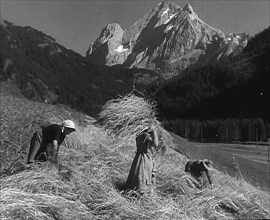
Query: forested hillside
(235, 88)
(46, 71)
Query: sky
(77, 23)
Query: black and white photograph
(134, 109)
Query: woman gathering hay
(134, 116)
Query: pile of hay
(128, 115)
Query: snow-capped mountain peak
(166, 36)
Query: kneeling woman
(142, 175)
(200, 170)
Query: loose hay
(92, 191)
(17, 204)
(128, 115)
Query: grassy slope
(88, 182)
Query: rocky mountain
(237, 88)
(46, 71)
(168, 37)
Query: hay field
(88, 183)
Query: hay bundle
(128, 115)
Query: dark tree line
(229, 130)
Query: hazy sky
(77, 23)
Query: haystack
(126, 117)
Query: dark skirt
(35, 146)
(140, 176)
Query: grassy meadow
(89, 181)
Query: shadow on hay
(17, 167)
(120, 185)
(228, 209)
(64, 172)
(171, 190)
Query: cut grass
(89, 181)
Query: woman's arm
(209, 178)
(154, 136)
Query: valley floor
(258, 153)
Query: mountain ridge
(46, 71)
(166, 37)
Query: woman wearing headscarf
(142, 175)
(200, 170)
(46, 141)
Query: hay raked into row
(128, 115)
